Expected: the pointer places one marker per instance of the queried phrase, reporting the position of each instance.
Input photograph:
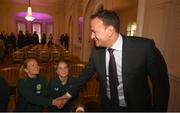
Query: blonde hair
(63, 61)
(22, 73)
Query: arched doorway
(87, 42)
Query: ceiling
(117, 4)
(37, 2)
(122, 4)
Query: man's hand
(60, 101)
(57, 103)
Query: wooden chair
(51, 72)
(55, 56)
(75, 69)
(10, 74)
(90, 93)
(31, 53)
(43, 69)
(43, 56)
(18, 56)
(65, 55)
(14, 65)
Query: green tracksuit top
(56, 89)
(32, 94)
(4, 95)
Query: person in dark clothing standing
(11, 41)
(21, 39)
(66, 41)
(28, 38)
(32, 89)
(35, 38)
(61, 39)
(50, 40)
(43, 41)
(4, 95)
(59, 85)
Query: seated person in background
(31, 88)
(60, 84)
(4, 95)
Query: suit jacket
(140, 60)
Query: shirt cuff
(68, 95)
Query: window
(21, 26)
(131, 29)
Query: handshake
(60, 101)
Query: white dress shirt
(117, 46)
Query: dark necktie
(113, 79)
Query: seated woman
(31, 88)
(4, 95)
(60, 84)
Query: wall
(162, 23)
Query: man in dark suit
(136, 59)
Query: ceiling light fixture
(29, 16)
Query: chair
(18, 56)
(90, 93)
(65, 55)
(55, 55)
(75, 69)
(43, 56)
(31, 54)
(51, 72)
(10, 74)
(43, 69)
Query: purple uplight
(37, 15)
(80, 19)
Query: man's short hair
(108, 17)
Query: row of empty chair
(42, 53)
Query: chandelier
(29, 16)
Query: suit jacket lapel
(124, 55)
(102, 63)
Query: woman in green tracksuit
(31, 88)
(4, 95)
(59, 85)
